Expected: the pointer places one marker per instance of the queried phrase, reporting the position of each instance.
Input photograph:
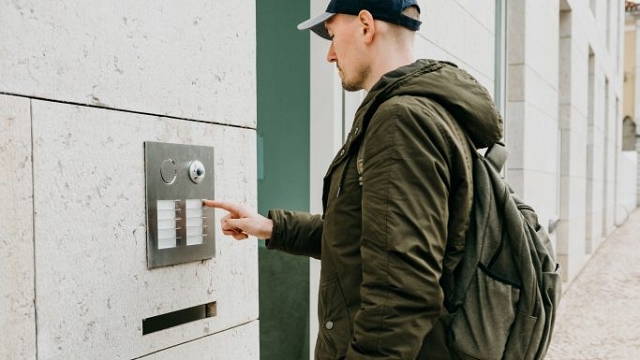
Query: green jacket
(396, 198)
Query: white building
(631, 103)
(83, 86)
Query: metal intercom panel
(179, 228)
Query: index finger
(225, 205)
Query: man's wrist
(267, 229)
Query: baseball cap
(385, 10)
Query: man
(397, 195)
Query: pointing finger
(225, 205)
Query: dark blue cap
(385, 10)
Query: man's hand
(241, 222)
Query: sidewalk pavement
(599, 313)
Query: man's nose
(331, 54)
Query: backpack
(507, 284)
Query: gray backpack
(507, 284)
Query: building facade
(631, 104)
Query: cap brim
(316, 25)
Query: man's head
(368, 37)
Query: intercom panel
(179, 228)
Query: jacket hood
(458, 92)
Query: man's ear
(367, 26)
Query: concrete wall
(17, 308)
(638, 171)
(460, 31)
(82, 86)
(627, 194)
(564, 119)
(631, 92)
(531, 119)
(630, 63)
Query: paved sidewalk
(599, 313)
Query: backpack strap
(497, 155)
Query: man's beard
(351, 86)
(357, 83)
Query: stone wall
(82, 86)
(564, 119)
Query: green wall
(283, 171)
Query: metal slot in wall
(180, 317)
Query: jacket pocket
(335, 332)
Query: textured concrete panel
(514, 133)
(572, 226)
(478, 40)
(190, 59)
(541, 92)
(516, 49)
(626, 194)
(456, 32)
(227, 345)
(93, 285)
(17, 311)
(443, 24)
(483, 12)
(517, 81)
(541, 142)
(541, 38)
(541, 191)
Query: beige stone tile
(94, 288)
(193, 59)
(17, 311)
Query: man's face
(347, 51)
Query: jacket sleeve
(296, 233)
(405, 215)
